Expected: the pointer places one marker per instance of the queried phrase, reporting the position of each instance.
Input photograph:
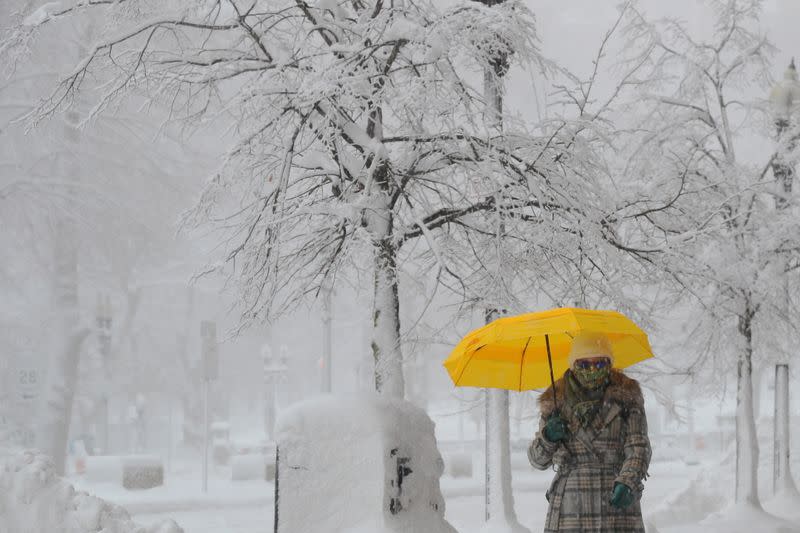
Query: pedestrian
(593, 432)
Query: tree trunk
(62, 372)
(386, 321)
(500, 514)
(746, 441)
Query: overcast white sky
(570, 32)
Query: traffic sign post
(210, 353)
(28, 377)
(208, 334)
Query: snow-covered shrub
(34, 499)
(142, 472)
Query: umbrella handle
(552, 379)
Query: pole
(691, 455)
(782, 476)
(169, 434)
(327, 309)
(277, 497)
(487, 456)
(205, 435)
(783, 170)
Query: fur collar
(622, 390)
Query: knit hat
(587, 345)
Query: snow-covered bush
(34, 499)
(358, 463)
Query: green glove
(622, 496)
(555, 429)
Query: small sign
(28, 384)
(210, 351)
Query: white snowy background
(123, 214)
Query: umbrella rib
(522, 361)
(467, 363)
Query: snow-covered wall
(361, 463)
(34, 499)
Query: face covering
(592, 378)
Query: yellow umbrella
(522, 352)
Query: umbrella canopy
(512, 352)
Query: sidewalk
(245, 506)
(185, 494)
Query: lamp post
(103, 321)
(210, 359)
(499, 499)
(327, 312)
(275, 372)
(785, 98)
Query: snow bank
(746, 519)
(34, 498)
(706, 502)
(706, 493)
(785, 504)
(43, 14)
(358, 464)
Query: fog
(119, 244)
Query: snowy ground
(246, 507)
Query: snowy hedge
(34, 499)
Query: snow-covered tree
(359, 130)
(573, 249)
(84, 214)
(726, 243)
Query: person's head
(591, 359)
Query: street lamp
(275, 372)
(103, 322)
(785, 98)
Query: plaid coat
(612, 448)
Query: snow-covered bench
(129, 471)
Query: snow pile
(707, 502)
(43, 13)
(34, 498)
(705, 494)
(358, 464)
(746, 519)
(785, 504)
